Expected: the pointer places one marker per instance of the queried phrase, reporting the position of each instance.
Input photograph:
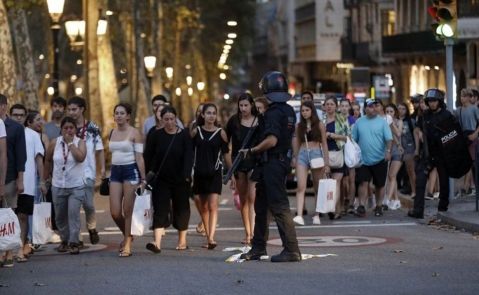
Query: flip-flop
(182, 248)
(211, 246)
(124, 254)
(153, 248)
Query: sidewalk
(461, 213)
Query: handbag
(42, 222)
(327, 196)
(105, 187)
(142, 216)
(352, 154)
(314, 163)
(9, 230)
(336, 159)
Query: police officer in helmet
(273, 152)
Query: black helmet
(434, 94)
(275, 86)
(415, 98)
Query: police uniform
(272, 168)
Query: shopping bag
(42, 223)
(327, 196)
(142, 214)
(236, 200)
(352, 154)
(9, 230)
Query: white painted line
(224, 209)
(274, 227)
(353, 222)
(112, 228)
(96, 211)
(224, 202)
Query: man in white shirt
(90, 133)
(150, 122)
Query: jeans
(89, 205)
(67, 202)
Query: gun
(239, 156)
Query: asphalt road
(374, 255)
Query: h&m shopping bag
(142, 214)
(42, 223)
(327, 196)
(9, 230)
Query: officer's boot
(286, 256)
(253, 254)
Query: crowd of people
(58, 162)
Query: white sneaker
(55, 239)
(299, 220)
(316, 220)
(394, 204)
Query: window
(388, 22)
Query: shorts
(10, 198)
(208, 185)
(246, 166)
(125, 173)
(303, 158)
(25, 204)
(396, 154)
(377, 172)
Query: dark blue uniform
(273, 166)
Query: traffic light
(444, 13)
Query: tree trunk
(23, 46)
(8, 79)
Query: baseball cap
(370, 102)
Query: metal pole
(55, 75)
(448, 42)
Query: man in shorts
(374, 137)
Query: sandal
(181, 248)
(212, 245)
(200, 228)
(153, 248)
(124, 254)
(246, 242)
(21, 259)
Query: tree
(7, 60)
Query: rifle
(239, 156)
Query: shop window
(388, 22)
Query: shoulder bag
(314, 163)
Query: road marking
(224, 202)
(225, 209)
(353, 222)
(96, 211)
(111, 230)
(336, 241)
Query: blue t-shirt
(372, 135)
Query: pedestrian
(200, 228)
(391, 201)
(409, 147)
(3, 158)
(210, 143)
(308, 95)
(468, 117)
(64, 161)
(261, 104)
(348, 187)
(127, 173)
(337, 133)
(356, 110)
(309, 143)
(58, 106)
(374, 137)
(33, 171)
(89, 132)
(237, 128)
(151, 121)
(169, 159)
(430, 151)
(274, 149)
(16, 158)
(415, 100)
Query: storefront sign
(329, 29)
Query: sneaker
(394, 205)
(436, 195)
(7, 263)
(62, 248)
(286, 256)
(316, 220)
(55, 239)
(361, 211)
(378, 211)
(351, 209)
(74, 249)
(386, 207)
(299, 220)
(94, 238)
(429, 196)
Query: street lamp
(75, 30)
(55, 8)
(189, 80)
(190, 91)
(102, 26)
(178, 91)
(169, 72)
(232, 35)
(232, 23)
(150, 64)
(200, 86)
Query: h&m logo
(7, 229)
(330, 196)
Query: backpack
(454, 147)
(209, 167)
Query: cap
(370, 102)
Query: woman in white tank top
(127, 173)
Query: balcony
(415, 42)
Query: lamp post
(55, 8)
(150, 64)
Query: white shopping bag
(142, 214)
(327, 196)
(352, 154)
(42, 223)
(9, 230)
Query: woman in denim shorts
(391, 200)
(127, 173)
(308, 129)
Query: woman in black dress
(237, 129)
(210, 143)
(169, 155)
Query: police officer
(273, 150)
(430, 151)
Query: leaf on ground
(403, 262)
(398, 251)
(39, 284)
(4, 285)
(240, 282)
(438, 248)
(435, 274)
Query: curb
(449, 218)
